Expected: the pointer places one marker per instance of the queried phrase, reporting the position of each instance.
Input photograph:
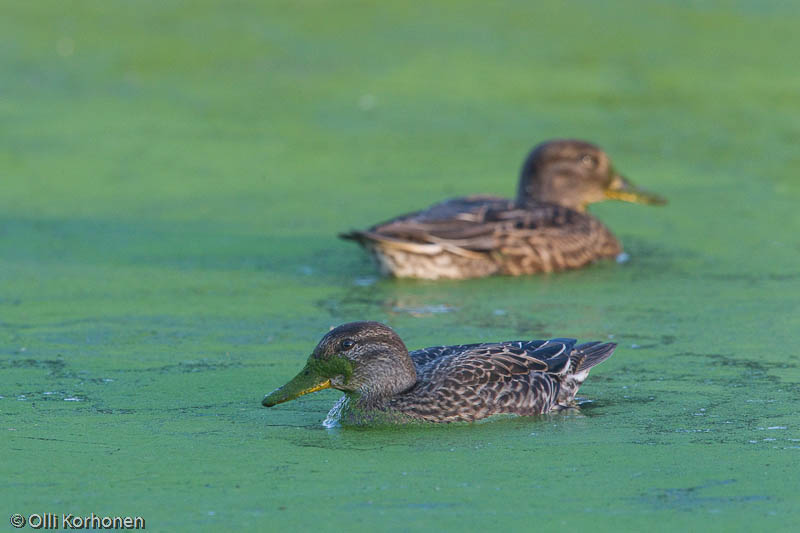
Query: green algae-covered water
(172, 179)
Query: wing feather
(540, 237)
(476, 223)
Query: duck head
(575, 174)
(367, 359)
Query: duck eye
(348, 343)
(589, 160)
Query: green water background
(172, 177)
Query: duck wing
(486, 224)
(424, 356)
(454, 219)
(469, 382)
(482, 363)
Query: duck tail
(582, 359)
(354, 235)
(585, 356)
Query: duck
(385, 384)
(546, 228)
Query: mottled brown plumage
(545, 229)
(383, 382)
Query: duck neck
(550, 186)
(384, 382)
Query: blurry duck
(545, 229)
(384, 383)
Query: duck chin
(338, 382)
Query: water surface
(172, 181)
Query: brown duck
(545, 229)
(384, 383)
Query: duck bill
(622, 189)
(303, 383)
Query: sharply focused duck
(384, 383)
(545, 229)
